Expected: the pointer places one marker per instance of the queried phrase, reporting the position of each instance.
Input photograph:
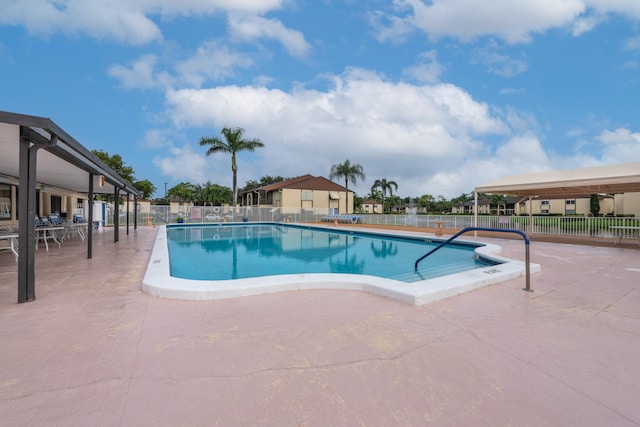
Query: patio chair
(54, 219)
(42, 222)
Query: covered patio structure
(610, 179)
(35, 150)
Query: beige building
(370, 206)
(627, 204)
(305, 191)
(486, 206)
(49, 200)
(579, 205)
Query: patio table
(12, 238)
(46, 233)
(72, 229)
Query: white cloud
(497, 63)
(397, 131)
(521, 121)
(586, 24)
(251, 27)
(141, 74)
(124, 21)
(428, 70)
(207, 7)
(387, 27)
(183, 164)
(619, 146)
(512, 21)
(628, 8)
(157, 138)
(116, 20)
(213, 61)
(512, 91)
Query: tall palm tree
(347, 171)
(499, 200)
(234, 143)
(384, 186)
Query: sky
(438, 96)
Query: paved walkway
(93, 350)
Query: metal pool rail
(499, 230)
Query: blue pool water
(236, 251)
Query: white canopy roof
(611, 179)
(63, 163)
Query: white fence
(553, 225)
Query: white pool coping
(159, 282)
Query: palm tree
(499, 200)
(349, 172)
(234, 143)
(384, 186)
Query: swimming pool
(232, 260)
(240, 251)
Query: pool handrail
(499, 230)
(159, 219)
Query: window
(307, 195)
(5, 202)
(56, 204)
(544, 207)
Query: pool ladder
(499, 230)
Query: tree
(357, 204)
(265, 180)
(214, 194)
(116, 163)
(384, 186)
(393, 201)
(442, 205)
(347, 171)
(234, 144)
(499, 200)
(594, 205)
(146, 187)
(185, 192)
(427, 201)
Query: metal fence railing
(552, 225)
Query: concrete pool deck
(95, 350)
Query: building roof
(611, 179)
(510, 200)
(62, 161)
(305, 182)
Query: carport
(37, 151)
(610, 179)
